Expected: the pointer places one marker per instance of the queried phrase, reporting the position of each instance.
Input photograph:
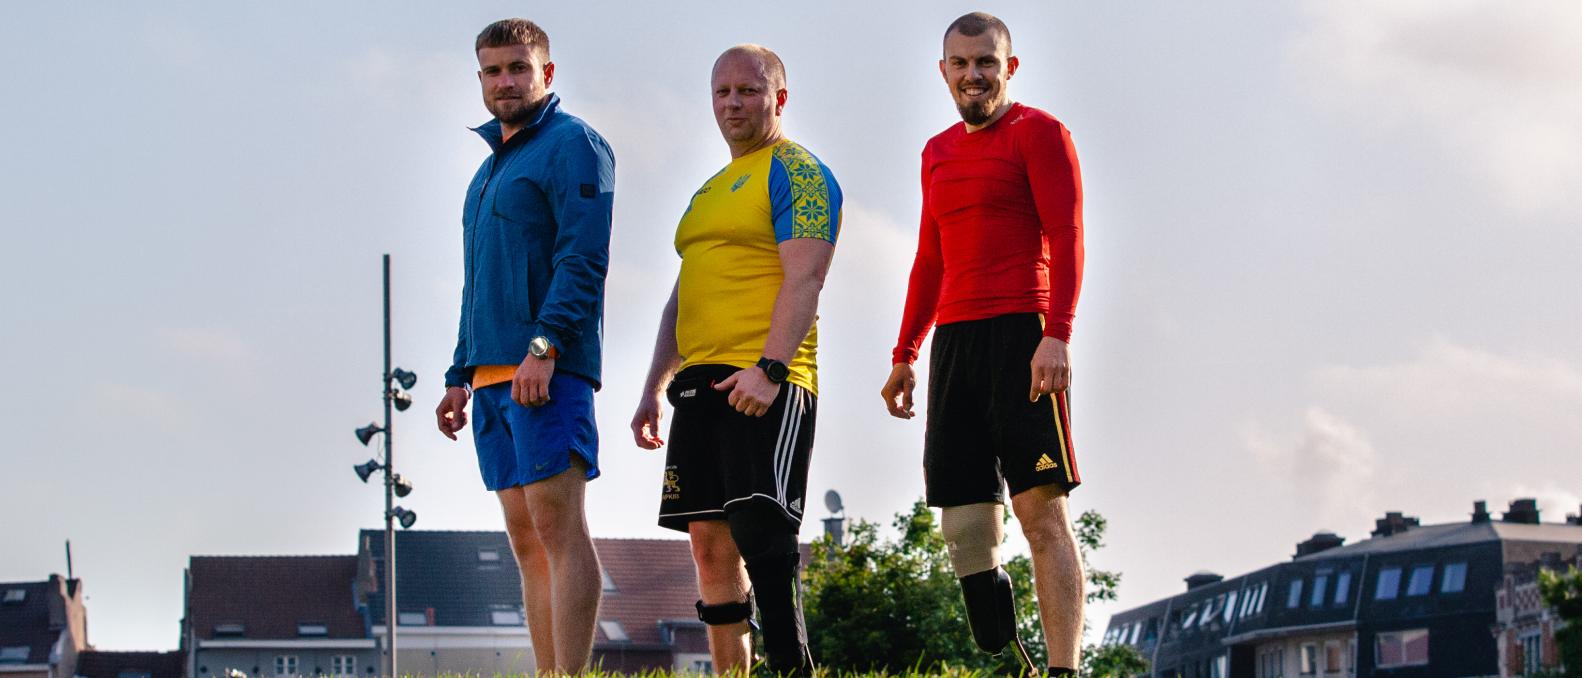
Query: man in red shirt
(998, 268)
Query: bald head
(978, 23)
(766, 62)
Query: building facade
(1412, 600)
(43, 628)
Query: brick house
(43, 628)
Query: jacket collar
(491, 133)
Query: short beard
(977, 113)
(520, 116)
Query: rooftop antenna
(68, 560)
(835, 525)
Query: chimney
(1575, 519)
(1320, 541)
(56, 597)
(1523, 511)
(1393, 523)
(1480, 512)
(1202, 578)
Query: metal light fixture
(405, 517)
(401, 400)
(404, 378)
(403, 487)
(367, 433)
(367, 469)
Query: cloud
(1494, 83)
(212, 344)
(1328, 466)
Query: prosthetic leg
(973, 534)
(767, 542)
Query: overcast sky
(1332, 263)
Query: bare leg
(534, 565)
(722, 578)
(1057, 569)
(555, 506)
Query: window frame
(1404, 637)
(1293, 595)
(1412, 590)
(1393, 574)
(287, 665)
(1460, 568)
(1342, 587)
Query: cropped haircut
(509, 32)
(974, 24)
(774, 68)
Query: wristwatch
(774, 369)
(540, 348)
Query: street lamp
(391, 384)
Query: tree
(1562, 592)
(894, 604)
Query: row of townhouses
(1457, 599)
(458, 610)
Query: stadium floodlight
(407, 518)
(406, 379)
(367, 433)
(366, 469)
(403, 487)
(401, 400)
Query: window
(1293, 597)
(285, 665)
(1401, 648)
(1320, 583)
(703, 666)
(1263, 592)
(13, 655)
(343, 665)
(613, 631)
(1454, 579)
(1137, 632)
(15, 595)
(134, 673)
(1309, 659)
(506, 616)
(312, 629)
(1230, 606)
(1211, 609)
(1389, 584)
(1191, 616)
(1532, 653)
(1342, 587)
(1422, 580)
(1271, 663)
(412, 619)
(1332, 661)
(608, 583)
(488, 555)
(232, 629)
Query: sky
(1331, 264)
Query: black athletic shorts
(982, 430)
(718, 458)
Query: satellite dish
(832, 502)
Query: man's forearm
(796, 306)
(667, 357)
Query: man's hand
(530, 386)
(897, 391)
(645, 423)
(452, 411)
(751, 391)
(1051, 367)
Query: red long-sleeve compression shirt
(1001, 228)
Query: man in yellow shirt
(736, 356)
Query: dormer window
(15, 595)
(13, 655)
(608, 583)
(489, 556)
(311, 629)
(230, 630)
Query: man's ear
(780, 100)
(549, 73)
(1011, 64)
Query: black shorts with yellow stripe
(983, 432)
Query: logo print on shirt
(740, 181)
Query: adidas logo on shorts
(796, 504)
(1045, 464)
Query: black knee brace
(725, 614)
(767, 542)
(991, 608)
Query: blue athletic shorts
(519, 445)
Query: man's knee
(972, 534)
(1041, 512)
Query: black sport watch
(774, 369)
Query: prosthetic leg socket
(767, 542)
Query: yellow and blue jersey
(729, 241)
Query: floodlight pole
(390, 561)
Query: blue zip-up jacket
(536, 233)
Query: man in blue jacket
(536, 232)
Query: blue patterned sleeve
(804, 199)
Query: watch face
(778, 372)
(538, 347)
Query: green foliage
(880, 604)
(1562, 592)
